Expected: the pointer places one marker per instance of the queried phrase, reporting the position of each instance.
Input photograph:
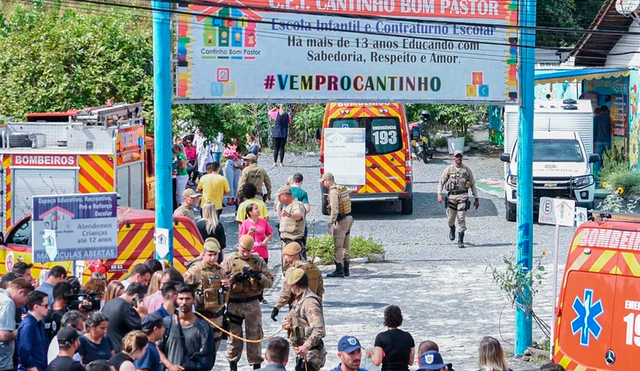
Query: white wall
(627, 43)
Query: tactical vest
(289, 227)
(313, 275)
(345, 200)
(300, 328)
(250, 286)
(459, 179)
(210, 295)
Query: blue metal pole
(162, 119)
(527, 17)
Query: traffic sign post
(560, 212)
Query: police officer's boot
(461, 240)
(233, 365)
(452, 232)
(339, 272)
(346, 268)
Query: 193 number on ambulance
(383, 137)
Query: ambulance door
(350, 123)
(624, 347)
(587, 318)
(39, 182)
(385, 158)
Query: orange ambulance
(598, 311)
(388, 167)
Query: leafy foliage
(515, 280)
(360, 247)
(52, 59)
(566, 14)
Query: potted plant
(457, 119)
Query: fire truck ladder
(109, 115)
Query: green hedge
(360, 247)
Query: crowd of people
(161, 319)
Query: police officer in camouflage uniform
(207, 278)
(456, 180)
(252, 173)
(305, 323)
(292, 220)
(293, 260)
(340, 223)
(248, 277)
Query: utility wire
(489, 56)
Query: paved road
(446, 294)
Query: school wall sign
(347, 50)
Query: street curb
(378, 258)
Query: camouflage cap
(250, 157)
(245, 242)
(211, 245)
(295, 276)
(292, 248)
(327, 176)
(284, 190)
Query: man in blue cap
(432, 361)
(350, 354)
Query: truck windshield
(556, 150)
(383, 134)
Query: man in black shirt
(60, 299)
(69, 343)
(125, 313)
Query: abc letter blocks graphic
(477, 88)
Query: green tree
(53, 59)
(575, 14)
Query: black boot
(233, 365)
(256, 366)
(346, 268)
(452, 232)
(339, 272)
(461, 240)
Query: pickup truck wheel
(407, 205)
(510, 211)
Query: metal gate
(37, 182)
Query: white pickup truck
(561, 168)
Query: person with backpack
(292, 259)
(188, 340)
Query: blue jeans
(233, 177)
(600, 148)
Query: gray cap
(457, 153)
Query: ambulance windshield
(382, 133)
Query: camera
(77, 301)
(78, 297)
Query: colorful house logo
(228, 27)
(49, 241)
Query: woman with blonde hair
(133, 347)
(114, 289)
(491, 356)
(209, 226)
(154, 282)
